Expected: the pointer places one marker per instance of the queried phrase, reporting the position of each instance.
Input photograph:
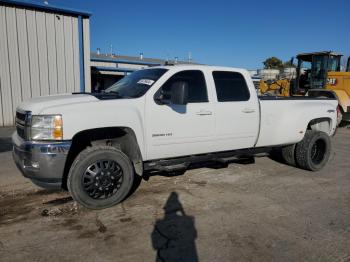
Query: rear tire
(100, 177)
(312, 153)
(288, 155)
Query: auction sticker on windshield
(148, 82)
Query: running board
(180, 163)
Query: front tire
(312, 153)
(100, 177)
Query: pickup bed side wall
(285, 121)
(101, 114)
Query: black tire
(312, 153)
(288, 154)
(100, 160)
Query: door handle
(204, 113)
(248, 110)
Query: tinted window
(197, 89)
(230, 86)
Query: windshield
(334, 63)
(136, 84)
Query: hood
(37, 105)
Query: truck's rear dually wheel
(312, 153)
(100, 177)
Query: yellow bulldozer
(317, 74)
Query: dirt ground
(263, 211)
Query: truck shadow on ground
(276, 155)
(5, 144)
(174, 235)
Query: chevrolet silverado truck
(97, 145)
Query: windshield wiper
(111, 93)
(116, 94)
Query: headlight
(47, 127)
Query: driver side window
(197, 89)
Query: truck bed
(283, 120)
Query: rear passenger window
(197, 89)
(230, 86)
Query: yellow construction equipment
(317, 74)
(278, 88)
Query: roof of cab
(319, 53)
(199, 67)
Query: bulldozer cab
(312, 71)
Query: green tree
(273, 63)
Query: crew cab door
(237, 110)
(180, 130)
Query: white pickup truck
(163, 118)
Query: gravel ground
(263, 211)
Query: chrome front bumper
(42, 162)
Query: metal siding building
(106, 69)
(44, 50)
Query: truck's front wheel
(100, 177)
(312, 153)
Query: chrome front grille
(22, 124)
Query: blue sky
(229, 33)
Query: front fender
(107, 113)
